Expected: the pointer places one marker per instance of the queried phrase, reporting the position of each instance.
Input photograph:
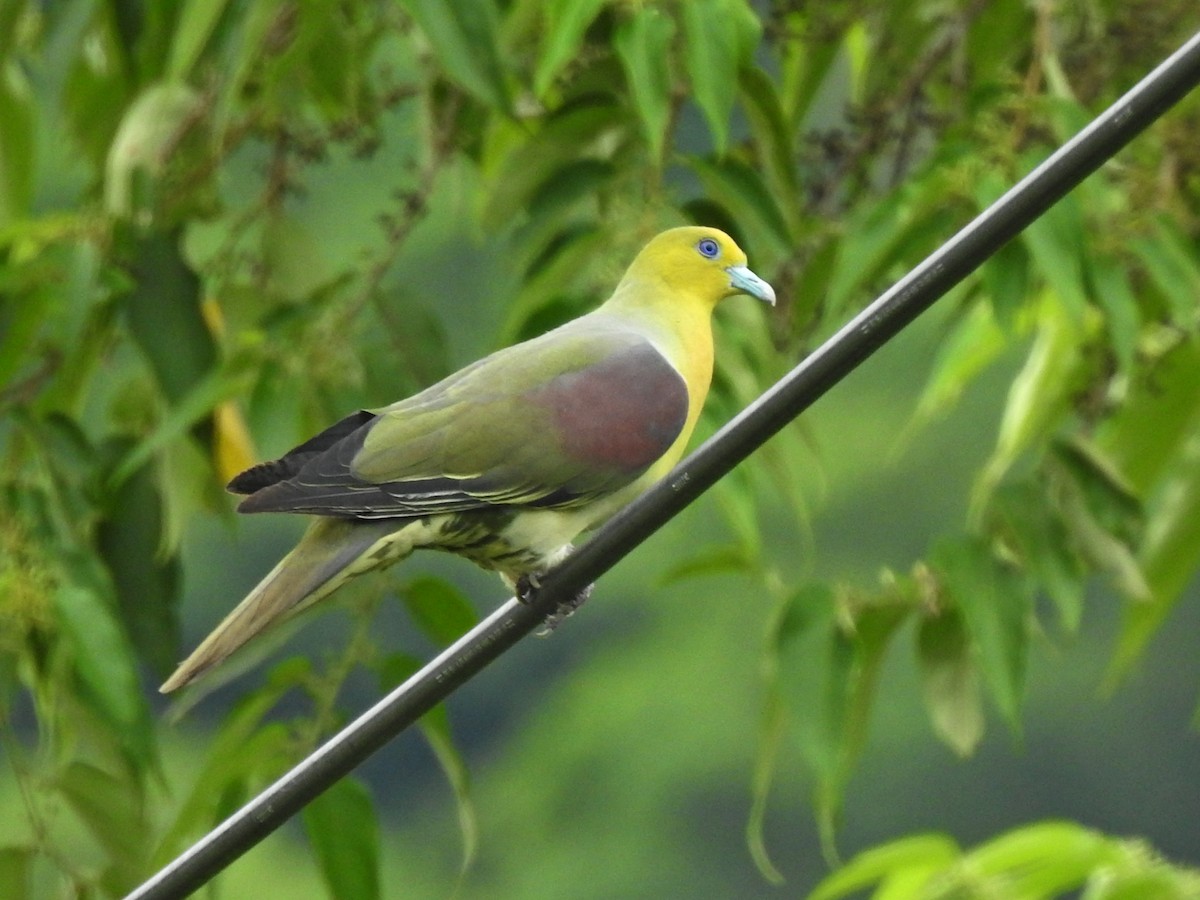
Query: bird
(508, 460)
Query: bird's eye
(708, 247)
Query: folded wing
(551, 423)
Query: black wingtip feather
(266, 474)
(259, 477)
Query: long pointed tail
(331, 552)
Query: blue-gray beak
(742, 279)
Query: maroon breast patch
(621, 413)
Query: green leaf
(872, 238)
(163, 312)
(1044, 859)
(104, 661)
(824, 667)
(230, 380)
(1103, 525)
(242, 750)
(1122, 317)
(856, 49)
(81, 319)
(565, 23)
(973, 343)
(344, 833)
(1006, 280)
(1143, 880)
(10, 17)
(806, 67)
(463, 36)
(949, 682)
(130, 539)
(643, 43)
(1170, 258)
(435, 726)
(773, 139)
(994, 39)
(924, 853)
(565, 198)
(772, 731)
(822, 664)
(22, 316)
(197, 22)
(813, 288)
(332, 72)
(147, 142)
(715, 559)
(996, 605)
(813, 659)
(571, 253)
(397, 668)
(1168, 557)
(739, 506)
(113, 808)
(16, 866)
(295, 262)
(1042, 391)
(1056, 242)
(557, 145)
(571, 183)
(1043, 543)
(18, 112)
(189, 479)
(439, 609)
(1145, 435)
(1109, 497)
(242, 55)
(721, 35)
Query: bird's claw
(564, 610)
(528, 584)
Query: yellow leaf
(233, 451)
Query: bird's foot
(529, 583)
(564, 610)
(527, 586)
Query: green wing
(554, 422)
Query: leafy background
(936, 639)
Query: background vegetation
(224, 224)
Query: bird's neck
(679, 325)
(658, 304)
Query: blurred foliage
(1044, 859)
(204, 211)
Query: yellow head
(697, 262)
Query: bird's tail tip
(181, 677)
(330, 553)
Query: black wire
(837, 357)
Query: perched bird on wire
(507, 460)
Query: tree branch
(820, 371)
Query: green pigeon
(506, 461)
